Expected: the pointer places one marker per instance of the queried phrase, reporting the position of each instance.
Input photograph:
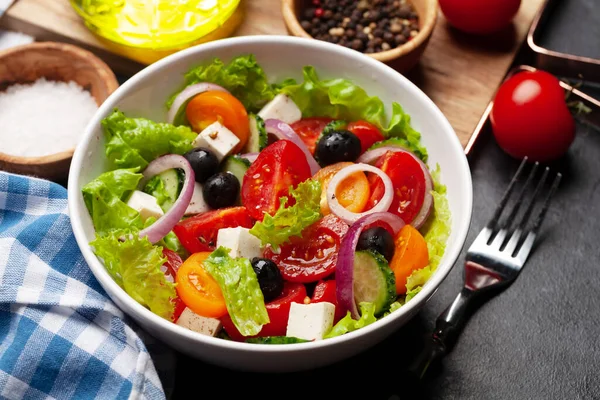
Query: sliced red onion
(344, 269)
(165, 224)
(371, 156)
(250, 157)
(188, 93)
(350, 217)
(284, 131)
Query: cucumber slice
(258, 134)
(374, 281)
(237, 166)
(166, 187)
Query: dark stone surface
(573, 28)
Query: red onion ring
(165, 224)
(350, 217)
(284, 131)
(371, 156)
(187, 93)
(344, 269)
(250, 157)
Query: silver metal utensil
(494, 259)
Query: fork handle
(447, 328)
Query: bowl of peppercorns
(395, 32)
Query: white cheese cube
(197, 204)
(282, 108)
(197, 323)
(145, 204)
(240, 242)
(310, 321)
(217, 139)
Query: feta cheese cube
(217, 138)
(145, 204)
(197, 204)
(310, 321)
(240, 242)
(282, 108)
(197, 323)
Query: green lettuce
(416, 148)
(291, 221)
(342, 99)
(436, 232)
(242, 77)
(134, 263)
(105, 198)
(348, 324)
(134, 142)
(156, 187)
(170, 241)
(239, 284)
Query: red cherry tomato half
(312, 256)
(309, 130)
(325, 291)
(169, 268)
(479, 16)
(278, 167)
(530, 117)
(408, 181)
(199, 233)
(367, 133)
(278, 310)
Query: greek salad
(268, 212)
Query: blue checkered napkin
(60, 335)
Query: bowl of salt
(48, 93)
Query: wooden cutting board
(459, 72)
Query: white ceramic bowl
(282, 57)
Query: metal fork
(494, 260)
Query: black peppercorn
(363, 25)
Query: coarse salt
(42, 118)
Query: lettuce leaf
(104, 198)
(239, 284)
(436, 232)
(347, 324)
(134, 263)
(415, 148)
(291, 221)
(342, 99)
(170, 241)
(242, 77)
(134, 142)
(156, 187)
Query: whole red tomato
(479, 16)
(530, 117)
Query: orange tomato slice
(410, 254)
(353, 192)
(198, 290)
(208, 107)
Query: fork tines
(503, 228)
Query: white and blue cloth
(61, 337)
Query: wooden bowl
(401, 58)
(56, 62)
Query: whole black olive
(221, 190)
(203, 162)
(377, 239)
(269, 278)
(337, 146)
